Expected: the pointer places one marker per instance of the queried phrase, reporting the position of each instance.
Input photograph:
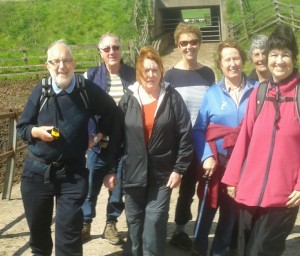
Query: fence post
(132, 52)
(277, 11)
(246, 30)
(292, 18)
(10, 164)
(25, 58)
(136, 14)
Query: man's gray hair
(117, 38)
(258, 42)
(59, 42)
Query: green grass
(32, 24)
(28, 25)
(195, 13)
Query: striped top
(192, 85)
(114, 86)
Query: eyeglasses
(193, 42)
(56, 62)
(108, 48)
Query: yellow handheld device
(55, 133)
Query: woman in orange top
(155, 129)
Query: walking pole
(200, 213)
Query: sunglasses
(193, 42)
(108, 48)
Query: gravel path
(14, 233)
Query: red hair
(147, 52)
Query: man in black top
(56, 132)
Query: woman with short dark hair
(263, 172)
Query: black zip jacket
(170, 146)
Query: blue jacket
(98, 75)
(219, 108)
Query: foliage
(233, 11)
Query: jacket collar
(248, 84)
(134, 89)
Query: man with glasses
(57, 143)
(113, 76)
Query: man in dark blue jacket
(56, 132)
(113, 76)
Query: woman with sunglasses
(191, 79)
(214, 133)
(263, 174)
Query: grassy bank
(33, 24)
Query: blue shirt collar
(70, 88)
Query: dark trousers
(186, 193)
(115, 205)
(38, 199)
(263, 231)
(228, 213)
(147, 212)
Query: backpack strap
(80, 85)
(47, 91)
(262, 93)
(261, 96)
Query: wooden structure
(264, 19)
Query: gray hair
(258, 42)
(117, 38)
(59, 42)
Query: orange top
(148, 112)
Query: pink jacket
(265, 163)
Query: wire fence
(32, 61)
